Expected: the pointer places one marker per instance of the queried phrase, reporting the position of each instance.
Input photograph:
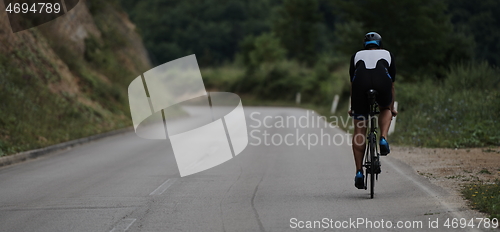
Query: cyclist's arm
(350, 110)
(393, 96)
(351, 68)
(393, 111)
(392, 72)
(392, 68)
(351, 75)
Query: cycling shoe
(384, 147)
(359, 180)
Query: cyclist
(371, 68)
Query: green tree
(348, 37)
(481, 20)
(419, 33)
(296, 25)
(212, 29)
(268, 50)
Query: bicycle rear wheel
(372, 164)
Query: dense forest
(436, 33)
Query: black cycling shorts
(364, 80)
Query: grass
(484, 197)
(484, 171)
(460, 111)
(34, 116)
(455, 177)
(490, 150)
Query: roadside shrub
(461, 111)
(221, 78)
(275, 81)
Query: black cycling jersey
(371, 69)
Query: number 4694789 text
(37, 8)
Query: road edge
(33, 154)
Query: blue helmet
(372, 40)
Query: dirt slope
(67, 78)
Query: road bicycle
(372, 155)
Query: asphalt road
(125, 183)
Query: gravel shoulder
(451, 169)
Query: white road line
(124, 224)
(163, 187)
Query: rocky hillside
(67, 79)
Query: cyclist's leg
(359, 142)
(384, 121)
(358, 148)
(384, 99)
(360, 108)
(383, 85)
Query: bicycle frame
(372, 161)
